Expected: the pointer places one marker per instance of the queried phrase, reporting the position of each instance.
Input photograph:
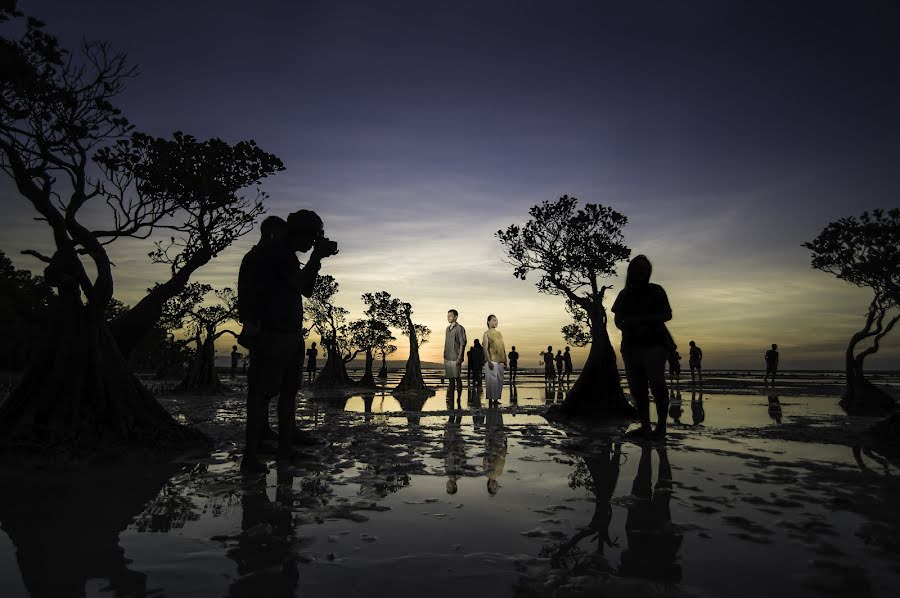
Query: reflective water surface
(750, 494)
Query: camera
(326, 246)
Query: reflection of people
(235, 360)
(311, 355)
(266, 562)
(549, 372)
(675, 411)
(698, 413)
(775, 408)
(513, 364)
(454, 451)
(495, 360)
(771, 364)
(567, 362)
(641, 309)
(694, 359)
(653, 541)
(454, 350)
(494, 448)
(271, 287)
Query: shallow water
(405, 498)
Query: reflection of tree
(598, 472)
(66, 526)
(265, 558)
(653, 541)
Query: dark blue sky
(728, 132)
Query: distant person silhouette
(476, 361)
(311, 365)
(771, 364)
(641, 310)
(567, 362)
(558, 361)
(549, 371)
(674, 368)
(454, 350)
(271, 287)
(513, 364)
(653, 542)
(495, 360)
(235, 360)
(694, 360)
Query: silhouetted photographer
(271, 287)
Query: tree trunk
(334, 373)
(133, 325)
(368, 379)
(382, 373)
(412, 382)
(79, 397)
(860, 394)
(597, 391)
(201, 376)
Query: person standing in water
(641, 310)
(311, 368)
(495, 360)
(549, 372)
(513, 364)
(454, 351)
(567, 362)
(694, 360)
(771, 364)
(559, 364)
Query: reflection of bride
(494, 449)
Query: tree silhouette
(330, 322)
(573, 249)
(57, 122)
(203, 323)
(25, 305)
(368, 335)
(397, 314)
(864, 252)
(384, 349)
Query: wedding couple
(455, 343)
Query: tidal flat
(754, 492)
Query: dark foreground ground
(754, 493)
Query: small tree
(864, 252)
(26, 302)
(368, 335)
(397, 314)
(573, 250)
(384, 349)
(203, 323)
(330, 322)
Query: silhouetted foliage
(368, 335)
(865, 252)
(573, 249)
(202, 321)
(58, 125)
(25, 304)
(330, 322)
(397, 314)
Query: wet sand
(754, 492)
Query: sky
(728, 133)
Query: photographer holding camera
(271, 287)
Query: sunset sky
(727, 132)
